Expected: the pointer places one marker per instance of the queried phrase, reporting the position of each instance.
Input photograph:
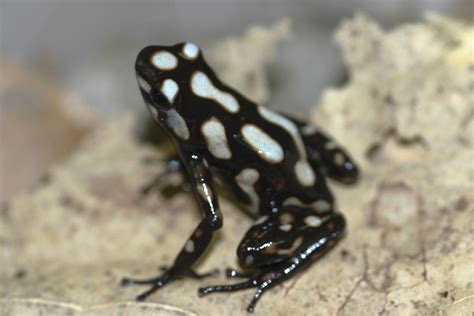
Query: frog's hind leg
(327, 156)
(280, 245)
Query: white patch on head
(202, 86)
(246, 180)
(285, 227)
(304, 173)
(164, 60)
(177, 123)
(143, 84)
(153, 111)
(190, 50)
(214, 133)
(169, 88)
(189, 247)
(339, 159)
(322, 206)
(312, 221)
(261, 220)
(262, 143)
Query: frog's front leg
(202, 235)
(280, 245)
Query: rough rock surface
(406, 115)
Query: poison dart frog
(274, 165)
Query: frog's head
(164, 74)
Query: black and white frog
(274, 165)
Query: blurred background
(75, 53)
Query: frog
(274, 165)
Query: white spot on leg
(261, 220)
(312, 221)
(339, 159)
(322, 206)
(202, 86)
(262, 143)
(164, 60)
(169, 88)
(304, 173)
(177, 123)
(214, 133)
(246, 180)
(189, 247)
(190, 50)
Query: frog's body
(274, 165)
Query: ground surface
(406, 115)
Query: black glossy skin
(273, 253)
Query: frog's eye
(159, 98)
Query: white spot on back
(262, 143)
(246, 180)
(286, 124)
(202, 86)
(177, 123)
(164, 60)
(190, 50)
(214, 133)
(143, 84)
(169, 88)
(304, 173)
(312, 221)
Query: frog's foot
(159, 282)
(260, 280)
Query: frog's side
(274, 165)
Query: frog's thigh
(279, 237)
